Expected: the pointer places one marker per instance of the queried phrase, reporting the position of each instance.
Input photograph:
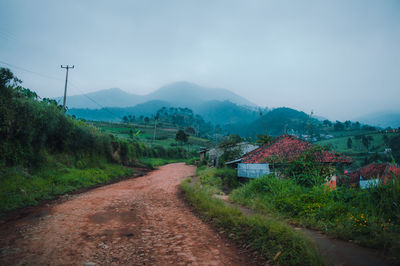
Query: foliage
(61, 174)
(218, 177)
(306, 169)
(264, 139)
(230, 141)
(349, 143)
(264, 235)
(370, 217)
(29, 126)
(394, 144)
(338, 126)
(181, 136)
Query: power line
(58, 79)
(30, 71)
(90, 98)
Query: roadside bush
(370, 216)
(264, 235)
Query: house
(370, 175)
(276, 154)
(243, 147)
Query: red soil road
(139, 221)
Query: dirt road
(139, 221)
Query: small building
(202, 153)
(370, 175)
(215, 153)
(270, 157)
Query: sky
(339, 59)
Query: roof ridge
(263, 147)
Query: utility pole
(66, 82)
(309, 125)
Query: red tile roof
(289, 148)
(374, 170)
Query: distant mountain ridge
(382, 119)
(215, 112)
(184, 94)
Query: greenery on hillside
(45, 153)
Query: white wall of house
(253, 170)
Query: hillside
(226, 112)
(275, 122)
(117, 113)
(215, 112)
(382, 119)
(182, 94)
(105, 98)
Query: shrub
(264, 235)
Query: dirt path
(134, 222)
(334, 251)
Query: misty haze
(199, 132)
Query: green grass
(165, 136)
(369, 217)
(20, 189)
(339, 144)
(358, 152)
(266, 236)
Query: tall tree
(349, 143)
(181, 136)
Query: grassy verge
(156, 162)
(369, 217)
(20, 189)
(275, 242)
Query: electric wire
(58, 79)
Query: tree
(125, 119)
(230, 141)
(394, 144)
(190, 130)
(263, 139)
(327, 123)
(181, 136)
(349, 143)
(338, 126)
(347, 123)
(146, 120)
(385, 139)
(366, 141)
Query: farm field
(358, 152)
(165, 134)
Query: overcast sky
(340, 59)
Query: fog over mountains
(182, 94)
(216, 105)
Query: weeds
(275, 242)
(370, 217)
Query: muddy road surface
(141, 221)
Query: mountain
(183, 94)
(105, 98)
(116, 113)
(190, 95)
(382, 119)
(226, 112)
(215, 112)
(275, 122)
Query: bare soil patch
(139, 221)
